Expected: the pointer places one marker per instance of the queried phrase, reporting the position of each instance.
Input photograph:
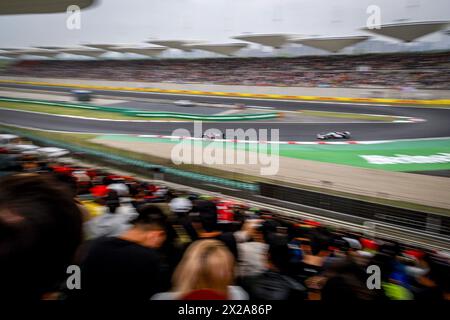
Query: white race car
(184, 103)
(334, 135)
(213, 136)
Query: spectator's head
(40, 230)
(149, 227)
(279, 255)
(269, 230)
(206, 264)
(207, 214)
(112, 201)
(346, 282)
(69, 181)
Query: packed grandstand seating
(159, 243)
(414, 70)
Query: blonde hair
(206, 264)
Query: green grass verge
(83, 140)
(67, 111)
(117, 114)
(344, 115)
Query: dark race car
(334, 135)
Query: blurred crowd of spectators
(416, 70)
(138, 240)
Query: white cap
(120, 188)
(180, 205)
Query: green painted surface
(101, 111)
(352, 154)
(433, 150)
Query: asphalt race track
(436, 124)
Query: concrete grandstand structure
(405, 32)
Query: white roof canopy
(146, 51)
(102, 46)
(52, 47)
(222, 48)
(40, 53)
(10, 54)
(40, 6)
(10, 49)
(408, 31)
(22, 52)
(83, 52)
(174, 44)
(271, 40)
(331, 44)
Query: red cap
(414, 253)
(311, 223)
(368, 244)
(99, 191)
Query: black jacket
(271, 285)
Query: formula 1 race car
(213, 136)
(184, 103)
(334, 135)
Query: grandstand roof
(23, 51)
(40, 53)
(103, 46)
(331, 44)
(276, 40)
(146, 51)
(10, 54)
(83, 52)
(409, 31)
(174, 44)
(51, 47)
(40, 6)
(222, 48)
(9, 49)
